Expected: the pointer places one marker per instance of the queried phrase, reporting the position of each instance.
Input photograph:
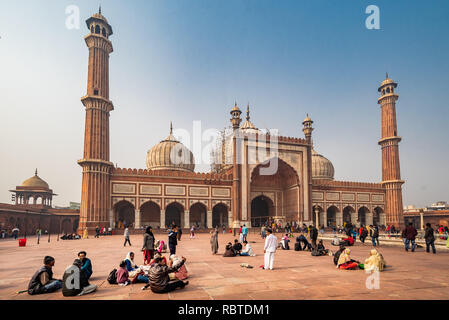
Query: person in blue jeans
(375, 236)
(244, 232)
(410, 235)
(42, 281)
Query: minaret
(236, 170)
(95, 199)
(391, 173)
(307, 129)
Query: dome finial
(99, 9)
(386, 75)
(247, 112)
(35, 172)
(171, 127)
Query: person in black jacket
(173, 240)
(148, 245)
(69, 287)
(42, 281)
(410, 235)
(159, 279)
(237, 246)
(302, 240)
(313, 235)
(430, 238)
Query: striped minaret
(95, 202)
(391, 173)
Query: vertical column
(382, 219)
(162, 219)
(369, 219)
(317, 217)
(209, 219)
(137, 219)
(325, 219)
(111, 218)
(339, 218)
(421, 214)
(187, 219)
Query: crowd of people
(162, 275)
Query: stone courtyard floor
(297, 275)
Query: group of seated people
(343, 260)
(159, 275)
(238, 249)
(347, 242)
(302, 244)
(72, 236)
(75, 280)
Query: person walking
(410, 236)
(241, 234)
(126, 234)
(430, 238)
(375, 236)
(363, 233)
(38, 234)
(214, 241)
(313, 235)
(97, 232)
(271, 243)
(244, 232)
(148, 245)
(192, 232)
(173, 240)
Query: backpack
(112, 278)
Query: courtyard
(297, 275)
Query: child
(122, 275)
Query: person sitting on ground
(338, 253)
(349, 241)
(42, 281)
(69, 287)
(247, 250)
(237, 246)
(284, 242)
(346, 263)
(175, 261)
(160, 246)
(229, 251)
(302, 239)
(159, 280)
(158, 255)
(122, 274)
(134, 271)
(86, 266)
(336, 241)
(375, 262)
(320, 250)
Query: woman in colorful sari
(375, 262)
(345, 262)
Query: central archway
(262, 208)
(347, 214)
(220, 215)
(332, 216)
(173, 214)
(198, 215)
(282, 185)
(124, 214)
(150, 214)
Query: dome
(322, 168)
(170, 154)
(35, 182)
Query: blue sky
(187, 60)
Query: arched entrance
(362, 215)
(150, 214)
(376, 216)
(173, 214)
(124, 214)
(220, 216)
(347, 213)
(283, 187)
(198, 215)
(66, 227)
(262, 208)
(332, 216)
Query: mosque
(238, 190)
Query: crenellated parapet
(210, 177)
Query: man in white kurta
(271, 243)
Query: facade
(33, 210)
(256, 176)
